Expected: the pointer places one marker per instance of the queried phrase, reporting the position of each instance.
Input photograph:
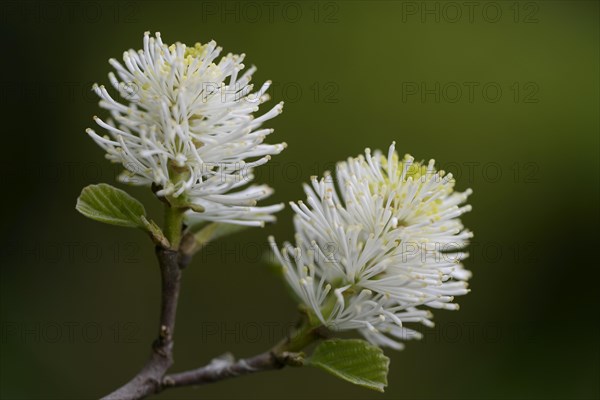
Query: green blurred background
(503, 94)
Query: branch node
(168, 381)
(165, 332)
(291, 359)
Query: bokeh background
(503, 94)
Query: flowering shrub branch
(375, 247)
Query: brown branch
(152, 378)
(149, 379)
(224, 367)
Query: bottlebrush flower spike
(386, 242)
(185, 125)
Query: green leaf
(199, 235)
(215, 230)
(353, 360)
(110, 205)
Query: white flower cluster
(186, 126)
(367, 256)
